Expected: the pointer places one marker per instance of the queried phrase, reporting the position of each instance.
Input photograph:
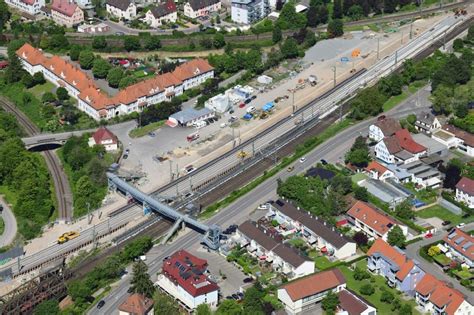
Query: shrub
(367, 289)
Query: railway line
(61, 184)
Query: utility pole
(191, 183)
(411, 28)
(253, 148)
(396, 57)
(171, 170)
(89, 219)
(293, 99)
(334, 70)
(401, 39)
(378, 48)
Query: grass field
(322, 263)
(39, 90)
(442, 213)
(142, 131)
(442, 259)
(379, 285)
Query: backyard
(379, 284)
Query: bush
(367, 289)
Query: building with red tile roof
(105, 137)
(185, 277)
(399, 148)
(371, 221)
(435, 297)
(161, 14)
(136, 304)
(378, 171)
(67, 13)
(32, 7)
(384, 127)
(465, 191)
(304, 292)
(352, 304)
(134, 98)
(461, 246)
(392, 263)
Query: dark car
(125, 156)
(324, 162)
(229, 297)
(235, 296)
(247, 100)
(254, 97)
(100, 304)
(447, 222)
(248, 280)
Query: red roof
(314, 284)
(404, 264)
(407, 143)
(103, 134)
(187, 271)
(440, 294)
(466, 185)
(466, 137)
(377, 167)
(376, 220)
(136, 304)
(462, 242)
(28, 2)
(65, 7)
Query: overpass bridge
(52, 139)
(211, 233)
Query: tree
(74, 52)
(218, 41)
(386, 297)
(114, 76)
(335, 28)
(229, 307)
(361, 193)
(323, 14)
(203, 309)
(101, 68)
(253, 299)
(164, 304)
(433, 251)
(62, 94)
(4, 15)
(78, 291)
(403, 210)
(367, 289)
(48, 97)
(330, 302)
(126, 81)
(406, 309)
(453, 71)
(358, 155)
(360, 274)
(58, 41)
(131, 43)
(458, 44)
(279, 5)
(152, 42)
(355, 12)
(360, 238)
(99, 42)
(289, 48)
(141, 282)
(452, 175)
(289, 19)
(218, 19)
(38, 77)
(206, 42)
(396, 237)
(27, 80)
(276, 35)
(14, 70)
(337, 10)
(312, 16)
(47, 307)
(86, 59)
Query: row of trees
(88, 180)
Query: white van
(200, 124)
(251, 110)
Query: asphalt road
(238, 211)
(10, 225)
(412, 252)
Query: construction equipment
(242, 155)
(68, 236)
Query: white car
(251, 110)
(263, 206)
(302, 160)
(460, 225)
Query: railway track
(61, 186)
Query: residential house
(378, 171)
(433, 147)
(454, 137)
(352, 304)
(303, 294)
(436, 297)
(384, 127)
(399, 148)
(249, 11)
(121, 9)
(427, 123)
(465, 191)
(32, 7)
(184, 277)
(281, 257)
(461, 246)
(163, 13)
(134, 98)
(66, 13)
(316, 231)
(392, 263)
(85, 4)
(423, 175)
(372, 222)
(197, 8)
(136, 304)
(105, 137)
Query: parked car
(263, 206)
(290, 168)
(247, 100)
(189, 169)
(324, 162)
(248, 280)
(125, 156)
(302, 160)
(447, 222)
(428, 235)
(232, 119)
(460, 225)
(100, 304)
(152, 134)
(251, 110)
(242, 105)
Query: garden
(444, 214)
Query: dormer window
(62, 75)
(88, 99)
(51, 67)
(74, 82)
(197, 71)
(24, 55)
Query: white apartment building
(32, 7)
(249, 11)
(198, 8)
(465, 191)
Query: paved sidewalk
(9, 219)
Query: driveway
(412, 252)
(9, 233)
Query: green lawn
(39, 90)
(322, 263)
(379, 285)
(8, 195)
(142, 131)
(442, 259)
(2, 226)
(358, 177)
(464, 274)
(444, 214)
(397, 99)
